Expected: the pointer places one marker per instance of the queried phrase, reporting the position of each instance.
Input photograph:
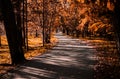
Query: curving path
(69, 59)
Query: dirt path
(69, 59)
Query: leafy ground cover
(108, 66)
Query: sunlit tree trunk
(12, 32)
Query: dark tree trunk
(26, 26)
(77, 33)
(116, 23)
(0, 40)
(67, 31)
(18, 19)
(12, 32)
(63, 30)
(36, 33)
(47, 38)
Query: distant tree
(12, 32)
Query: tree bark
(12, 32)
(116, 23)
(18, 21)
(0, 40)
(77, 33)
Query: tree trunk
(23, 25)
(18, 19)
(26, 26)
(77, 33)
(67, 31)
(0, 40)
(12, 32)
(47, 38)
(116, 23)
(63, 30)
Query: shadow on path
(70, 59)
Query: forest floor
(108, 65)
(71, 58)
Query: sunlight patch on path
(76, 46)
